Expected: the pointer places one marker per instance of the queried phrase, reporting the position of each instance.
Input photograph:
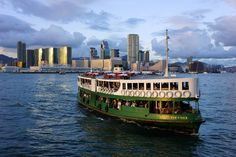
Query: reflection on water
(39, 115)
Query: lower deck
(177, 114)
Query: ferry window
(111, 84)
(165, 86)
(156, 86)
(174, 86)
(148, 86)
(129, 86)
(141, 86)
(100, 83)
(106, 84)
(135, 86)
(124, 86)
(185, 86)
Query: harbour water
(39, 116)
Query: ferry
(151, 101)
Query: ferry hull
(189, 124)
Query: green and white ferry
(157, 102)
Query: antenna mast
(167, 50)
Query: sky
(199, 28)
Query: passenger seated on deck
(133, 104)
(127, 103)
(108, 102)
(177, 108)
(119, 105)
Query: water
(39, 116)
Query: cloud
(224, 30)
(62, 11)
(182, 21)
(231, 2)
(132, 22)
(13, 30)
(191, 42)
(197, 14)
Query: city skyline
(197, 28)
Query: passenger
(146, 104)
(133, 104)
(108, 102)
(127, 103)
(119, 105)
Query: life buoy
(169, 94)
(186, 94)
(152, 94)
(178, 94)
(135, 93)
(139, 93)
(142, 93)
(162, 94)
(131, 93)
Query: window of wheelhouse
(124, 86)
(164, 86)
(185, 85)
(135, 86)
(156, 86)
(129, 86)
(173, 85)
(141, 86)
(148, 86)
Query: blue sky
(198, 28)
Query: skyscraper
(30, 58)
(64, 57)
(141, 56)
(105, 52)
(93, 53)
(49, 56)
(21, 53)
(115, 53)
(146, 56)
(133, 48)
(38, 56)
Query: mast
(167, 50)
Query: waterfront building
(83, 63)
(115, 53)
(158, 66)
(133, 48)
(30, 58)
(21, 52)
(146, 57)
(50, 55)
(141, 56)
(93, 53)
(106, 64)
(64, 57)
(105, 52)
(38, 56)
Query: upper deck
(137, 85)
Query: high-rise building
(105, 52)
(93, 53)
(21, 53)
(30, 57)
(49, 56)
(146, 56)
(38, 56)
(55, 55)
(141, 56)
(64, 57)
(133, 48)
(115, 53)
